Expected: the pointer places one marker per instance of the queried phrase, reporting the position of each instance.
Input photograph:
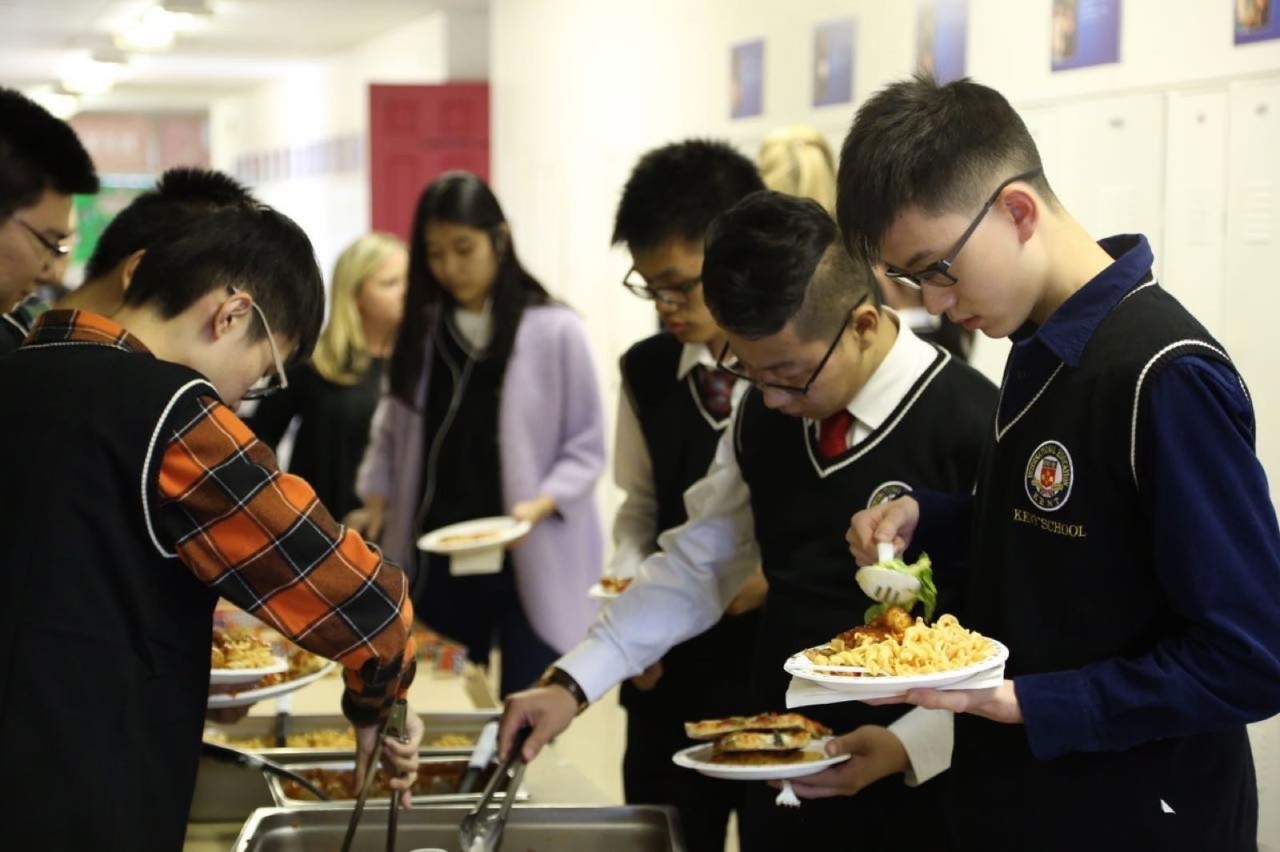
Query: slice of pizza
(710, 729)
(762, 741)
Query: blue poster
(1256, 20)
(941, 32)
(833, 62)
(1084, 32)
(746, 79)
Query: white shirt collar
(903, 365)
(475, 328)
(691, 355)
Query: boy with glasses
(848, 408)
(673, 408)
(1122, 541)
(158, 501)
(42, 164)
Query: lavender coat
(550, 440)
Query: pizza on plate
(767, 738)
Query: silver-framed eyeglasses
(667, 294)
(938, 273)
(277, 381)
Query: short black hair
(255, 249)
(38, 152)
(775, 258)
(180, 198)
(676, 190)
(916, 143)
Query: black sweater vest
(1062, 573)
(802, 506)
(104, 640)
(708, 675)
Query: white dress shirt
(683, 589)
(635, 527)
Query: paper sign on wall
(746, 79)
(941, 33)
(1256, 20)
(833, 62)
(1084, 32)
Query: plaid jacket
(260, 538)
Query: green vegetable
(922, 570)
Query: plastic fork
(884, 584)
(787, 798)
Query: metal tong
(481, 829)
(248, 760)
(394, 726)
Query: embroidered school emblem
(1049, 475)
(887, 491)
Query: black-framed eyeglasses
(277, 381)
(938, 273)
(669, 294)
(56, 249)
(795, 390)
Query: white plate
(802, 667)
(251, 696)
(504, 529)
(226, 677)
(696, 758)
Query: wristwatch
(559, 677)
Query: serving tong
(394, 726)
(481, 829)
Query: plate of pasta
(895, 653)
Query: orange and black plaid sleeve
(260, 538)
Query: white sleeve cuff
(595, 666)
(928, 736)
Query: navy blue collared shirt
(1214, 540)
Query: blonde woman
(798, 161)
(334, 395)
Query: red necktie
(715, 387)
(833, 434)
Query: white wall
(328, 101)
(1155, 143)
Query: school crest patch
(1049, 476)
(887, 491)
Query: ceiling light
(59, 104)
(153, 30)
(83, 76)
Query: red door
(417, 132)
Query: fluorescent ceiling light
(153, 30)
(83, 76)
(59, 104)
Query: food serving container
(531, 828)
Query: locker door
(417, 132)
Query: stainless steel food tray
(276, 786)
(436, 725)
(532, 828)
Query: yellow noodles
(922, 649)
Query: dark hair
(255, 249)
(38, 152)
(460, 198)
(940, 148)
(676, 190)
(775, 258)
(180, 198)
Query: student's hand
(648, 678)
(877, 753)
(999, 703)
(751, 595)
(399, 758)
(369, 518)
(894, 521)
(534, 511)
(548, 710)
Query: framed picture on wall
(746, 79)
(1255, 20)
(1084, 33)
(942, 29)
(833, 62)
